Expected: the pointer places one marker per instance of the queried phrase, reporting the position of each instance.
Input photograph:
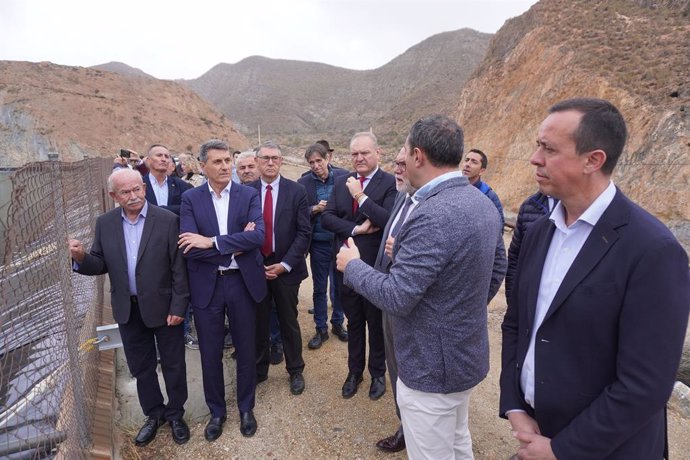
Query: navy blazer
(307, 180)
(338, 217)
(176, 187)
(197, 215)
(607, 352)
(291, 228)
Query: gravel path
(320, 424)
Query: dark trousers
(362, 315)
(322, 265)
(139, 343)
(231, 298)
(391, 362)
(285, 297)
(275, 327)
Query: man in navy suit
(593, 333)
(226, 277)
(360, 207)
(163, 190)
(286, 241)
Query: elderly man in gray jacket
(448, 261)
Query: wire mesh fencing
(47, 382)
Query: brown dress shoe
(394, 443)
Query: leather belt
(229, 271)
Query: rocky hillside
(296, 97)
(76, 112)
(635, 53)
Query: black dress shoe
(296, 383)
(180, 431)
(148, 431)
(340, 332)
(214, 428)
(310, 311)
(247, 423)
(261, 378)
(377, 388)
(394, 443)
(350, 386)
(318, 340)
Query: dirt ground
(320, 424)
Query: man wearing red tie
(286, 241)
(359, 207)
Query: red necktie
(267, 248)
(355, 203)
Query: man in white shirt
(593, 333)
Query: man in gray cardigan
(448, 261)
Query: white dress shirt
(367, 179)
(221, 205)
(160, 191)
(399, 215)
(566, 243)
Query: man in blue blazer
(163, 190)
(221, 231)
(593, 333)
(286, 242)
(359, 207)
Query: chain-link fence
(47, 382)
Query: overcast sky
(184, 39)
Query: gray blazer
(449, 257)
(161, 275)
(383, 262)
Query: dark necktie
(402, 217)
(267, 248)
(355, 203)
(385, 260)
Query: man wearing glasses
(286, 241)
(359, 208)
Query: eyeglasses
(268, 159)
(401, 165)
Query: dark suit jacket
(176, 187)
(383, 262)
(608, 349)
(197, 215)
(291, 228)
(307, 180)
(338, 217)
(160, 272)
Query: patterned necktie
(402, 217)
(355, 203)
(267, 248)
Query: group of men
(598, 290)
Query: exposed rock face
(634, 53)
(75, 112)
(289, 97)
